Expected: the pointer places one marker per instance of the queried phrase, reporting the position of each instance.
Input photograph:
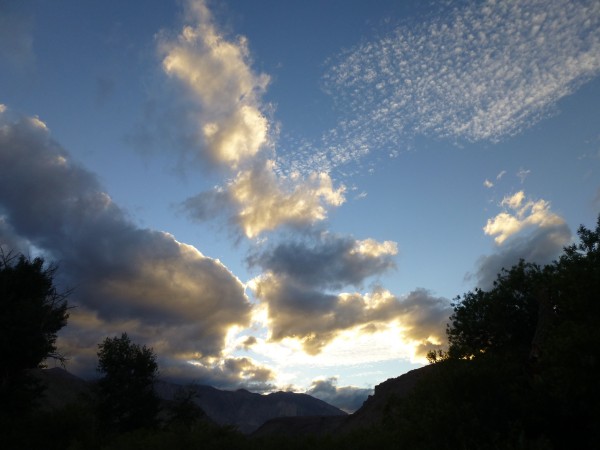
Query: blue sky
(288, 195)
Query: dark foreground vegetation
(521, 371)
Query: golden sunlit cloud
(524, 214)
(217, 73)
(234, 130)
(267, 202)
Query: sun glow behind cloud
(316, 297)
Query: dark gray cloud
(329, 262)
(316, 318)
(542, 245)
(125, 278)
(347, 398)
(229, 373)
(526, 229)
(299, 277)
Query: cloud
(475, 71)
(347, 398)
(226, 373)
(227, 124)
(488, 184)
(16, 39)
(330, 261)
(527, 229)
(125, 278)
(216, 73)
(296, 289)
(259, 200)
(522, 174)
(525, 213)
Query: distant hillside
(62, 387)
(371, 413)
(245, 410)
(248, 411)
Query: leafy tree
(126, 397)
(522, 366)
(503, 319)
(184, 412)
(32, 312)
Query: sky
(290, 195)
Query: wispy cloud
(477, 71)
(16, 39)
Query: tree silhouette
(522, 366)
(32, 311)
(126, 397)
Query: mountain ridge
(244, 410)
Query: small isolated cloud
(347, 398)
(16, 39)
(488, 184)
(166, 293)
(527, 229)
(500, 175)
(522, 174)
(475, 71)
(520, 213)
(259, 200)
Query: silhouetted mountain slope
(369, 414)
(248, 411)
(61, 387)
(245, 410)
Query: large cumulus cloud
(227, 124)
(298, 279)
(125, 278)
(259, 201)
(217, 73)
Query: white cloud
(476, 71)
(524, 214)
(233, 130)
(217, 73)
(488, 184)
(522, 174)
(528, 230)
(262, 201)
